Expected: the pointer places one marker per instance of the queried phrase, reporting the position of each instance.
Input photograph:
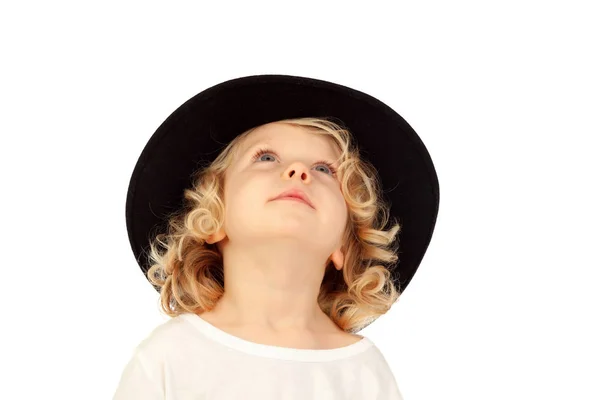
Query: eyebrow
(261, 144)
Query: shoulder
(341, 339)
(167, 338)
(347, 339)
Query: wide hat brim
(195, 133)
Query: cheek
(244, 194)
(337, 208)
(339, 197)
(343, 209)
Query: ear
(338, 258)
(216, 237)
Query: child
(279, 252)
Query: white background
(505, 95)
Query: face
(292, 162)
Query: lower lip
(294, 199)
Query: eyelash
(260, 152)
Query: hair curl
(189, 271)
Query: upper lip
(295, 193)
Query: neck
(274, 287)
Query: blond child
(264, 228)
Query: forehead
(292, 139)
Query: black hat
(195, 133)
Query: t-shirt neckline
(270, 351)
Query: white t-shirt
(187, 358)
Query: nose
(297, 170)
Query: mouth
(296, 199)
(295, 194)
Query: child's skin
(275, 251)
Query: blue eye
(261, 156)
(258, 155)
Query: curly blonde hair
(189, 271)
